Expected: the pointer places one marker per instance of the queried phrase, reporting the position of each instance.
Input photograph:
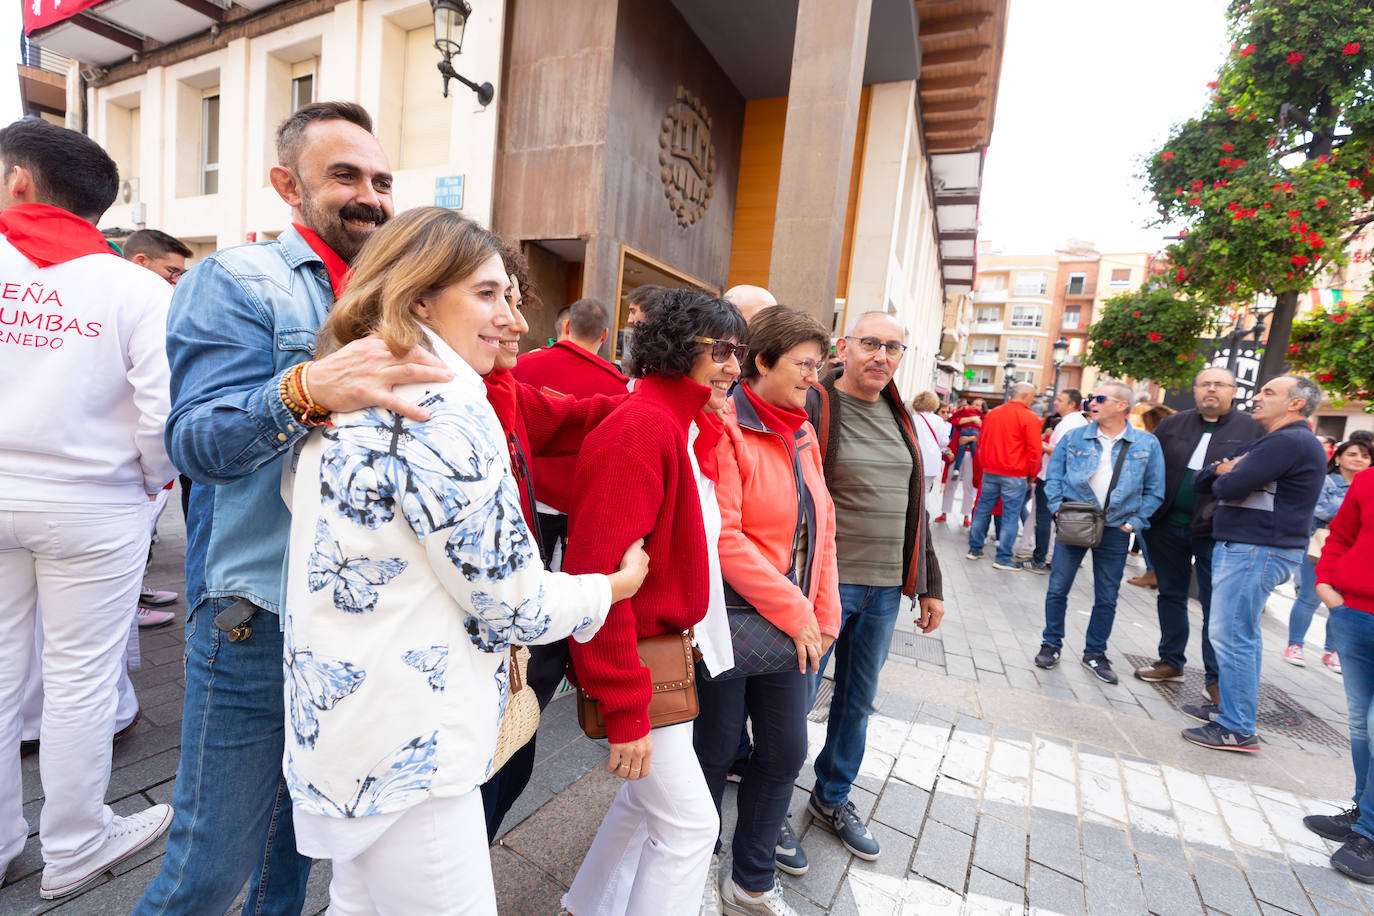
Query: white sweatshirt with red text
(83, 381)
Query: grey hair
(1021, 388)
(1229, 374)
(1124, 391)
(1305, 388)
(849, 332)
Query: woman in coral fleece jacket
(649, 471)
(777, 554)
(1346, 587)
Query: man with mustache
(240, 334)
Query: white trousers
(31, 707)
(432, 860)
(85, 566)
(965, 483)
(654, 846)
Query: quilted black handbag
(760, 646)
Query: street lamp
(1061, 353)
(450, 19)
(1007, 370)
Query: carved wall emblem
(687, 157)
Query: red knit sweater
(1349, 552)
(634, 480)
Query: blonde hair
(925, 402)
(410, 257)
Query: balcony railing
(33, 56)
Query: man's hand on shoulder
(364, 372)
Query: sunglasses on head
(721, 350)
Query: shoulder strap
(1116, 473)
(929, 427)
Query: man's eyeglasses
(1101, 398)
(807, 366)
(1215, 385)
(722, 350)
(869, 345)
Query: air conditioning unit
(128, 191)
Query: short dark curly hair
(663, 341)
(776, 330)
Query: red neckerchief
(709, 430)
(501, 395)
(338, 270)
(782, 420)
(49, 235)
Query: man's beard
(330, 226)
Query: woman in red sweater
(777, 555)
(1346, 587)
(648, 472)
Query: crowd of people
(402, 534)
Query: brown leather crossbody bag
(672, 669)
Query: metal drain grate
(820, 710)
(918, 646)
(1278, 712)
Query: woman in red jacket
(648, 471)
(777, 555)
(1346, 587)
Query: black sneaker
(1207, 712)
(1099, 666)
(1047, 657)
(1039, 567)
(1220, 738)
(1333, 826)
(788, 854)
(848, 826)
(1355, 859)
(974, 555)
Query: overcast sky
(1088, 87)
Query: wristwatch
(1128, 528)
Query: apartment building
(1025, 304)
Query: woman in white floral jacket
(411, 573)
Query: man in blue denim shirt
(1265, 493)
(1081, 470)
(241, 320)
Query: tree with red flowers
(1274, 178)
(1148, 334)
(1321, 345)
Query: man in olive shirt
(1180, 534)
(882, 541)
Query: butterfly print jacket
(411, 572)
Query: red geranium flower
(1181, 273)
(1213, 83)
(1228, 147)
(1248, 49)
(1293, 57)
(1155, 336)
(1352, 48)
(1104, 343)
(1294, 214)
(1321, 201)
(1230, 287)
(1166, 155)
(1135, 314)
(1339, 319)
(1299, 260)
(1355, 183)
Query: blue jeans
(1012, 491)
(1109, 561)
(1243, 575)
(1176, 555)
(1355, 641)
(233, 813)
(1043, 519)
(1305, 605)
(777, 705)
(867, 616)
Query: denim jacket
(1329, 503)
(238, 320)
(1140, 489)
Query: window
(1032, 284)
(983, 345)
(1023, 375)
(981, 377)
(1027, 316)
(1121, 276)
(1071, 318)
(1023, 348)
(302, 83)
(992, 283)
(209, 141)
(1078, 284)
(988, 315)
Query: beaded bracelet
(296, 398)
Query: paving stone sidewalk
(994, 787)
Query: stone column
(818, 153)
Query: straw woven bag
(521, 720)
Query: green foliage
(1333, 347)
(1148, 334)
(1270, 177)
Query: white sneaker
(735, 902)
(710, 896)
(127, 836)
